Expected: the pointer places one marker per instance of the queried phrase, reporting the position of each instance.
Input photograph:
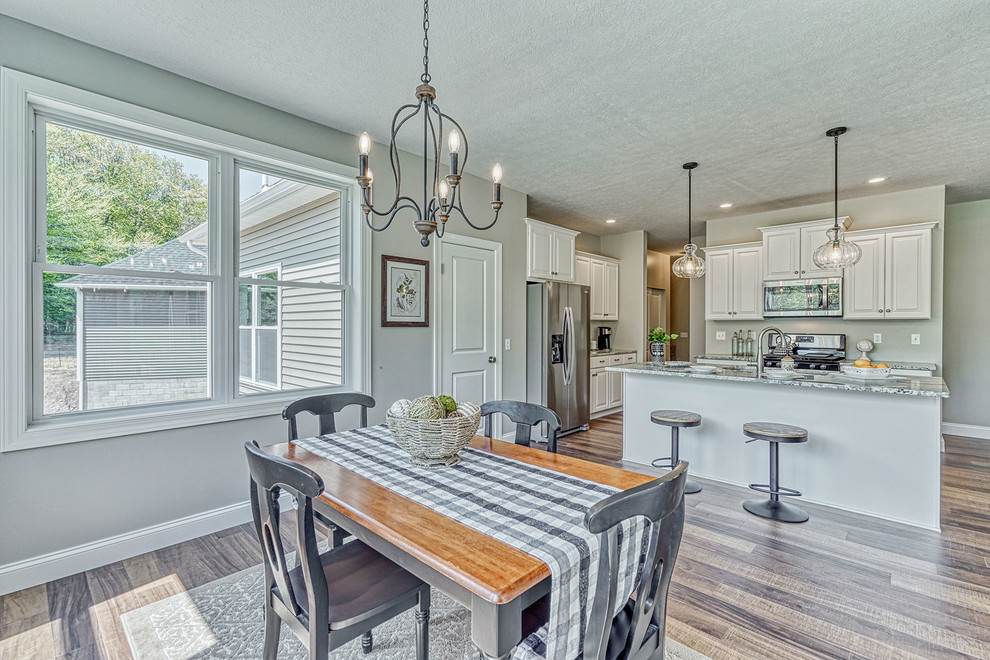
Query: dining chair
(637, 632)
(325, 406)
(526, 416)
(331, 598)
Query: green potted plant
(658, 340)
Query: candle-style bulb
(454, 142)
(497, 173)
(443, 189)
(371, 176)
(364, 144)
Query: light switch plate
(720, 335)
(877, 338)
(508, 344)
(916, 340)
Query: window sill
(66, 430)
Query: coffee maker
(604, 338)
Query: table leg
(496, 628)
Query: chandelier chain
(426, 42)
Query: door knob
(491, 359)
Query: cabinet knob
(888, 311)
(803, 272)
(880, 310)
(795, 272)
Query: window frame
(258, 273)
(23, 97)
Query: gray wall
(965, 349)
(117, 485)
(630, 249)
(901, 208)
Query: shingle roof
(175, 256)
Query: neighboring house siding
(306, 245)
(143, 347)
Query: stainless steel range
(817, 352)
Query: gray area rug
(225, 619)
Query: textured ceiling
(592, 107)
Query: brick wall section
(135, 392)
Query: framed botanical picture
(405, 292)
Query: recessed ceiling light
(725, 206)
(877, 179)
(610, 221)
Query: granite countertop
(614, 351)
(725, 356)
(904, 385)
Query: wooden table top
(485, 566)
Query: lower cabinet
(606, 386)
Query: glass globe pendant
(836, 253)
(691, 265)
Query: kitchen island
(873, 447)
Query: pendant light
(689, 266)
(836, 253)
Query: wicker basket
(435, 442)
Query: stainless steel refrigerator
(557, 344)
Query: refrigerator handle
(569, 355)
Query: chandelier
(689, 266)
(836, 253)
(441, 195)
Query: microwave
(811, 297)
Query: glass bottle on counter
(735, 344)
(750, 345)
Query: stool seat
(676, 418)
(774, 432)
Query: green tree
(107, 199)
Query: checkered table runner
(538, 511)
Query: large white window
(159, 273)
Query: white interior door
(470, 321)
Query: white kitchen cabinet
(599, 390)
(734, 282)
(893, 280)
(582, 269)
(603, 278)
(614, 388)
(788, 250)
(549, 252)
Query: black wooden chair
(637, 631)
(526, 416)
(328, 599)
(325, 406)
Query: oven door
(815, 297)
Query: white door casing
(469, 312)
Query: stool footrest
(765, 488)
(666, 463)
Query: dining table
(489, 577)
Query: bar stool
(676, 420)
(773, 508)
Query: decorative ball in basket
(433, 429)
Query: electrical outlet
(877, 338)
(508, 344)
(916, 340)
(683, 335)
(720, 335)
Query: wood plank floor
(839, 586)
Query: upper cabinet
(602, 275)
(549, 252)
(893, 280)
(734, 282)
(788, 250)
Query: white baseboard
(62, 563)
(966, 430)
